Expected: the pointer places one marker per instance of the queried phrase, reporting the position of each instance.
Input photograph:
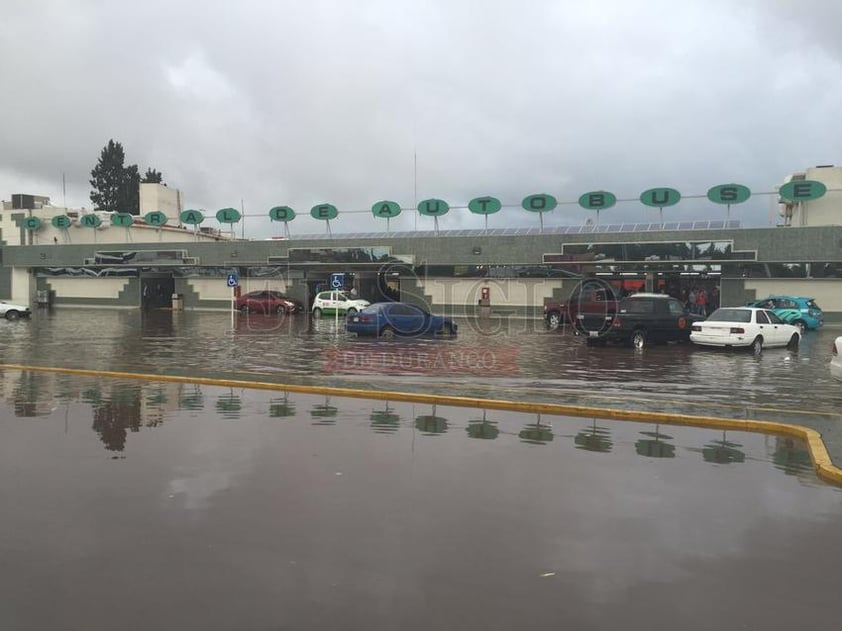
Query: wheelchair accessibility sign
(233, 280)
(337, 281)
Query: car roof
(645, 295)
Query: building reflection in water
(654, 446)
(594, 438)
(431, 425)
(482, 428)
(325, 414)
(118, 408)
(536, 433)
(792, 457)
(385, 421)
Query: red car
(589, 308)
(267, 301)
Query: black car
(645, 318)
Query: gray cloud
(299, 103)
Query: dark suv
(645, 318)
(589, 308)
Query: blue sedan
(397, 318)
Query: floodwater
(150, 505)
(495, 359)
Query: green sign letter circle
(539, 203)
(597, 200)
(433, 207)
(90, 221)
(802, 190)
(484, 205)
(122, 219)
(385, 209)
(191, 217)
(729, 194)
(228, 215)
(281, 213)
(62, 222)
(660, 197)
(155, 218)
(32, 223)
(325, 212)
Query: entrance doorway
(156, 292)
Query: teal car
(800, 311)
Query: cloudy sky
(299, 103)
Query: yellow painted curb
(822, 463)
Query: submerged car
(836, 359)
(336, 301)
(267, 301)
(745, 327)
(800, 311)
(13, 312)
(398, 318)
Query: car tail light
(695, 327)
(546, 308)
(737, 330)
(617, 321)
(366, 318)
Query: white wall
(23, 286)
(161, 198)
(516, 292)
(69, 287)
(827, 293)
(827, 210)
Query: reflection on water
(116, 409)
(482, 428)
(385, 508)
(654, 446)
(594, 438)
(503, 358)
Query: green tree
(152, 177)
(107, 177)
(129, 201)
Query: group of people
(700, 301)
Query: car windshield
(730, 315)
(814, 305)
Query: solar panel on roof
(685, 225)
(717, 224)
(671, 225)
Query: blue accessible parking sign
(337, 281)
(233, 280)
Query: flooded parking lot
(164, 504)
(171, 505)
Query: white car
(836, 359)
(337, 301)
(746, 327)
(13, 312)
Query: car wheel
(387, 332)
(281, 310)
(638, 339)
(12, 315)
(351, 310)
(757, 345)
(553, 320)
(244, 309)
(802, 326)
(317, 313)
(794, 341)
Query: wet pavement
(136, 505)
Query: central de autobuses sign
(727, 194)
